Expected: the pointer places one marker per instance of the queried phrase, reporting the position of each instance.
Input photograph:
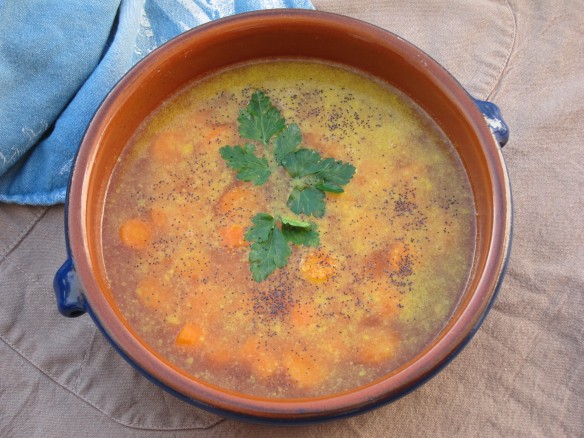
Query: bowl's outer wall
(303, 34)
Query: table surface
(521, 375)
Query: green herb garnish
(287, 142)
(249, 167)
(270, 247)
(300, 233)
(260, 120)
(312, 176)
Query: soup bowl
(474, 127)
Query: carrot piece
(302, 315)
(170, 147)
(317, 267)
(238, 198)
(264, 363)
(376, 263)
(382, 304)
(389, 259)
(154, 294)
(203, 117)
(232, 236)
(324, 146)
(216, 135)
(135, 233)
(303, 371)
(369, 172)
(376, 346)
(191, 335)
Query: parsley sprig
(249, 167)
(311, 177)
(260, 120)
(270, 247)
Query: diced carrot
(135, 233)
(232, 236)
(325, 147)
(264, 363)
(170, 147)
(312, 139)
(303, 371)
(238, 198)
(376, 346)
(203, 117)
(302, 315)
(377, 263)
(154, 294)
(382, 304)
(317, 267)
(191, 335)
(368, 171)
(389, 259)
(217, 135)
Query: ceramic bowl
(475, 128)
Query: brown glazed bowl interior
(289, 34)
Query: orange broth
(396, 247)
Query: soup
(345, 285)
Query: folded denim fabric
(58, 61)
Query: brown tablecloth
(521, 375)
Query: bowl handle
(494, 120)
(70, 301)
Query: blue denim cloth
(59, 59)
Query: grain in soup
(396, 247)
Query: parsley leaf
(270, 248)
(332, 188)
(287, 142)
(335, 174)
(249, 167)
(263, 224)
(260, 120)
(302, 163)
(296, 223)
(314, 177)
(308, 200)
(300, 232)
